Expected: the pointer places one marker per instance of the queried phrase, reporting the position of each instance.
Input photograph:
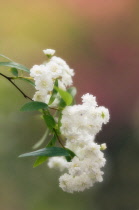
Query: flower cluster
(80, 124)
(46, 74)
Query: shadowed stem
(10, 80)
(58, 138)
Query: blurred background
(100, 40)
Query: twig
(10, 80)
(29, 78)
(58, 139)
(54, 108)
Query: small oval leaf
(42, 159)
(48, 152)
(14, 65)
(39, 161)
(65, 96)
(54, 92)
(52, 142)
(14, 71)
(49, 120)
(33, 106)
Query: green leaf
(65, 96)
(52, 142)
(49, 120)
(42, 159)
(39, 161)
(71, 153)
(33, 106)
(40, 142)
(14, 71)
(73, 92)
(48, 152)
(27, 80)
(54, 92)
(5, 57)
(62, 104)
(14, 65)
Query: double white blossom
(49, 52)
(87, 118)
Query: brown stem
(59, 139)
(10, 80)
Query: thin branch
(29, 78)
(10, 80)
(54, 108)
(58, 139)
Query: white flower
(38, 96)
(66, 79)
(58, 163)
(89, 100)
(77, 143)
(103, 146)
(49, 52)
(71, 183)
(60, 62)
(104, 113)
(37, 70)
(67, 73)
(54, 69)
(44, 83)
